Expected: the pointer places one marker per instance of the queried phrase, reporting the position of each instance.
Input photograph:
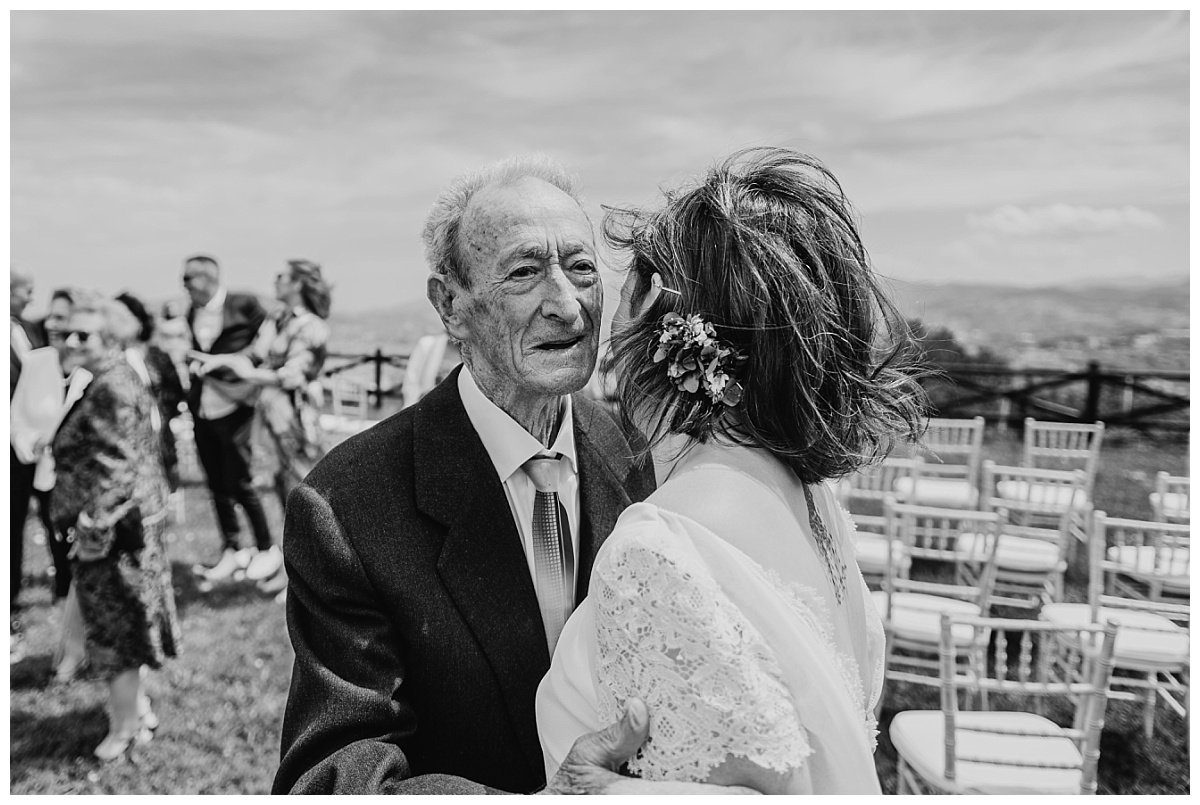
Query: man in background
(222, 406)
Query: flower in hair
(697, 363)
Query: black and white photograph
(687, 400)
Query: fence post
(378, 390)
(1091, 407)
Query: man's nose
(562, 299)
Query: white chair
(1150, 560)
(1064, 446)
(348, 401)
(1152, 656)
(1045, 507)
(862, 494)
(1171, 500)
(421, 371)
(911, 608)
(951, 478)
(1010, 751)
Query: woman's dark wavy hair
(314, 291)
(766, 249)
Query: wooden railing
(340, 362)
(1143, 400)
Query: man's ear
(445, 294)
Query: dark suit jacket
(35, 331)
(243, 316)
(419, 643)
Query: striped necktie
(553, 556)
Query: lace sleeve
(667, 634)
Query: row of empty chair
(946, 547)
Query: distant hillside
(1007, 319)
(390, 329)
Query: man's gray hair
(440, 234)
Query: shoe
(273, 584)
(149, 720)
(231, 562)
(114, 747)
(265, 564)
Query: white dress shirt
(207, 323)
(509, 446)
(209, 318)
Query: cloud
(1062, 219)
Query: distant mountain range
(1001, 317)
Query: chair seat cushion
(870, 551)
(1166, 645)
(1054, 495)
(1171, 566)
(918, 736)
(918, 616)
(951, 493)
(1015, 553)
(1173, 504)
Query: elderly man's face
(531, 318)
(200, 280)
(20, 293)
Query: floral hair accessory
(697, 363)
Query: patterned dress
(296, 351)
(107, 460)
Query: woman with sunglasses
(110, 500)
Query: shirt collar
(218, 300)
(507, 443)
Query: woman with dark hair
(754, 351)
(293, 352)
(110, 500)
(158, 372)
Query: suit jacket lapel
(482, 563)
(602, 497)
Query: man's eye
(584, 267)
(523, 272)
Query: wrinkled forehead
(526, 215)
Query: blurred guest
(70, 656)
(55, 323)
(24, 337)
(110, 498)
(157, 371)
(294, 351)
(173, 336)
(222, 405)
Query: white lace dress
(710, 603)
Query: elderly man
(434, 558)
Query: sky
(1025, 148)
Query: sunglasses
(81, 335)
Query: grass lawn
(221, 702)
